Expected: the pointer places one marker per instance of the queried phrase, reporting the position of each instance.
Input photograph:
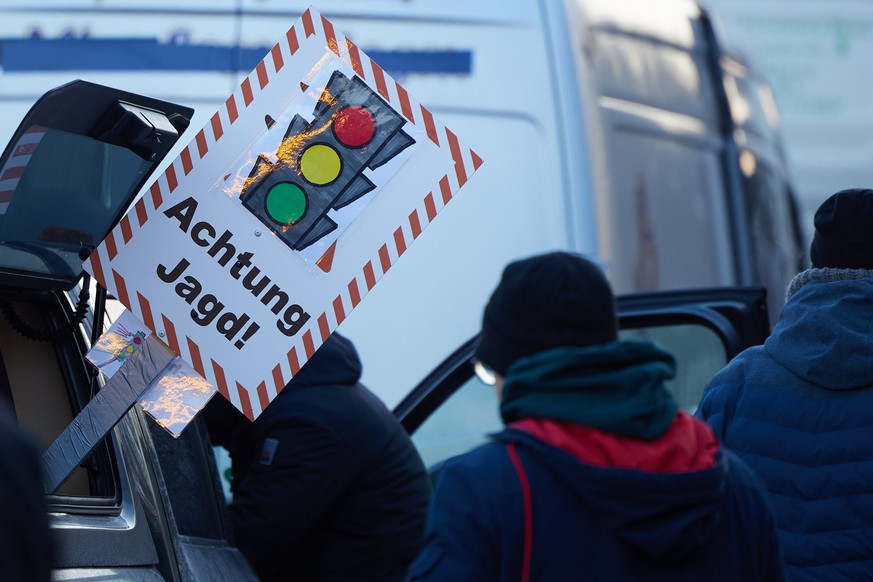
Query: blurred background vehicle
(816, 56)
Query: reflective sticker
(269, 451)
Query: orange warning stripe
(278, 61)
(384, 261)
(245, 402)
(217, 130)
(170, 173)
(355, 58)
(187, 166)
(246, 87)
(155, 188)
(232, 115)
(263, 398)
(323, 328)
(430, 207)
(146, 309)
(354, 293)
(308, 345)
(369, 276)
(126, 230)
(120, 288)
(455, 148)
(308, 28)
(330, 36)
(261, 72)
(405, 105)
(278, 379)
(171, 337)
(339, 311)
(196, 360)
(379, 78)
(445, 190)
(202, 149)
(111, 248)
(414, 223)
(477, 161)
(220, 379)
(293, 361)
(429, 125)
(97, 267)
(399, 241)
(141, 213)
(291, 37)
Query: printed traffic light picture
(320, 165)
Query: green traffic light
(286, 203)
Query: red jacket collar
(688, 445)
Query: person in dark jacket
(327, 484)
(597, 475)
(26, 543)
(799, 408)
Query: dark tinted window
(60, 192)
(191, 480)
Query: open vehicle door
(451, 410)
(142, 505)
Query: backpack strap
(528, 509)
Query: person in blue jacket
(799, 408)
(327, 485)
(598, 475)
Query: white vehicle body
(613, 128)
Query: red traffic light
(354, 126)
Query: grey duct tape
(104, 411)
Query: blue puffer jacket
(799, 411)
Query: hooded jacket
(326, 483)
(799, 411)
(603, 506)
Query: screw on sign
(320, 164)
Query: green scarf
(616, 387)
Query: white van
(619, 129)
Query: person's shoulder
(734, 375)
(475, 472)
(482, 459)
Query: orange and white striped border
(466, 161)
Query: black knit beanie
(844, 231)
(543, 302)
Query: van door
(452, 411)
